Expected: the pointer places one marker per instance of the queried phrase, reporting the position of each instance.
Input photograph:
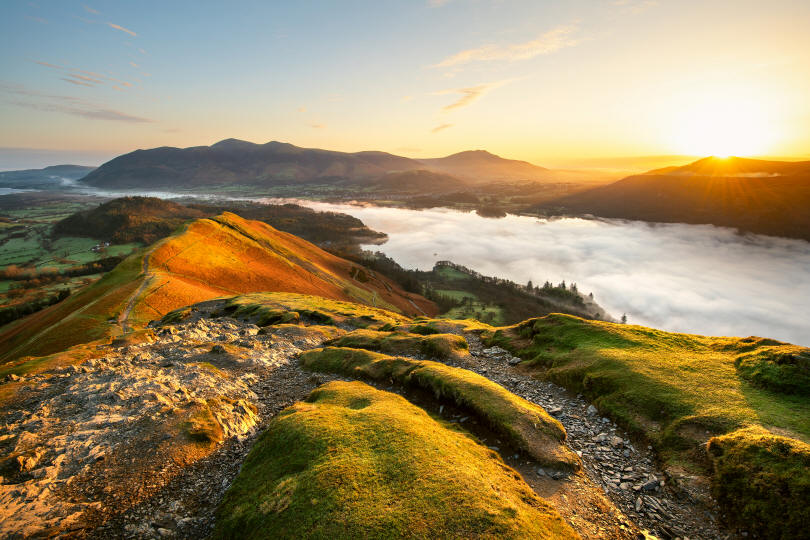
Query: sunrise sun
(722, 126)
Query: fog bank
(685, 278)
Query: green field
(473, 308)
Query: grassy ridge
(355, 462)
(524, 424)
(680, 390)
(441, 346)
(762, 480)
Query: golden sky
(547, 81)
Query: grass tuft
(762, 481)
(329, 468)
(526, 425)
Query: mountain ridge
(757, 196)
(233, 161)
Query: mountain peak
(226, 144)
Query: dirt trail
(123, 318)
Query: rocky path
(626, 471)
(266, 372)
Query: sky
(548, 81)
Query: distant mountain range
(765, 197)
(239, 162)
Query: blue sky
(536, 80)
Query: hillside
(214, 257)
(763, 197)
(380, 425)
(128, 219)
(239, 162)
(147, 219)
(482, 166)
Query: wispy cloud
(302, 109)
(438, 3)
(553, 40)
(31, 99)
(133, 64)
(40, 20)
(88, 9)
(318, 126)
(470, 94)
(46, 64)
(441, 127)
(83, 77)
(118, 27)
(77, 83)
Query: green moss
(676, 389)
(779, 367)
(440, 346)
(277, 308)
(524, 424)
(763, 482)
(201, 426)
(355, 462)
(176, 316)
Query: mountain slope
(756, 196)
(215, 257)
(481, 166)
(233, 161)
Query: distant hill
(147, 219)
(239, 162)
(764, 197)
(49, 177)
(210, 258)
(482, 166)
(128, 219)
(244, 163)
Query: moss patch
(329, 468)
(288, 308)
(524, 424)
(441, 346)
(762, 481)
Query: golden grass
(355, 462)
(526, 425)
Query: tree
(624, 318)
(529, 285)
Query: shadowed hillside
(239, 162)
(764, 197)
(147, 219)
(209, 258)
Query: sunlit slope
(748, 398)
(228, 255)
(86, 316)
(223, 256)
(765, 197)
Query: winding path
(123, 318)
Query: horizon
(587, 81)
(12, 159)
